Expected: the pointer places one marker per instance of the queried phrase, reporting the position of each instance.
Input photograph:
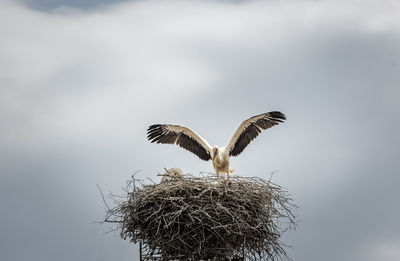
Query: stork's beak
(215, 151)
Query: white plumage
(190, 140)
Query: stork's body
(188, 139)
(220, 160)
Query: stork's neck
(219, 153)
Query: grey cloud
(79, 90)
(45, 5)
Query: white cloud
(97, 78)
(384, 250)
(101, 76)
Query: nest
(195, 218)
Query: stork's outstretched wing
(182, 136)
(250, 129)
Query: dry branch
(194, 218)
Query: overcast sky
(81, 82)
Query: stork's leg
(227, 171)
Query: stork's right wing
(182, 136)
(250, 129)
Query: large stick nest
(193, 218)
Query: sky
(80, 82)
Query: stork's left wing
(250, 129)
(181, 136)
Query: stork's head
(215, 151)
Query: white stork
(191, 141)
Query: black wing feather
(160, 134)
(254, 129)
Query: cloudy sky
(80, 81)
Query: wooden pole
(140, 250)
